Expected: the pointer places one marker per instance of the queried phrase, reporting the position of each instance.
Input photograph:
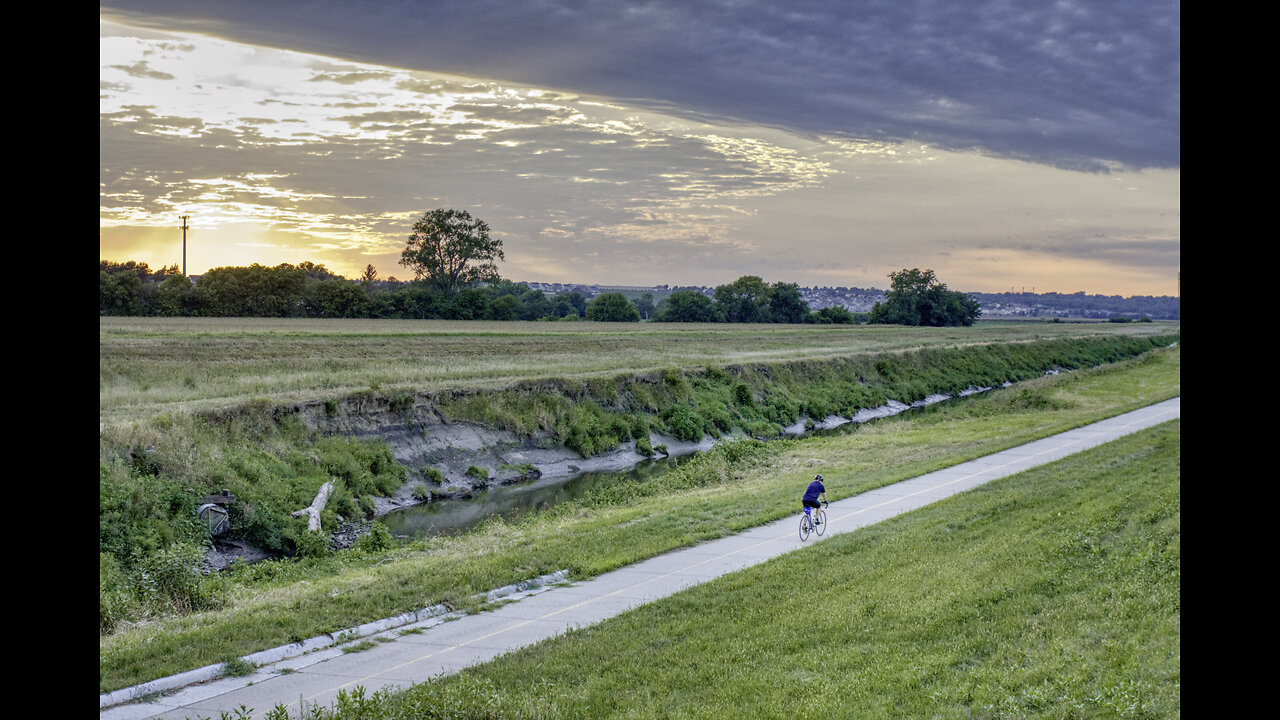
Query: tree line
(454, 261)
(309, 290)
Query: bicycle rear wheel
(806, 527)
(820, 521)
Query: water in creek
(447, 517)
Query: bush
(312, 544)
(173, 578)
(115, 597)
(378, 539)
(683, 423)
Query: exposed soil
(419, 439)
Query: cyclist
(811, 494)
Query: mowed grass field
(154, 366)
(1051, 594)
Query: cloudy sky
(823, 142)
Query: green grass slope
(739, 486)
(1051, 594)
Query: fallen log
(316, 507)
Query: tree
(254, 291)
(745, 300)
(175, 297)
(468, 304)
(612, 307)
(833, 315)
(451, 250)
(566, 304)
(786, 304)
(119, 293)
(334, 297)
(917, 298)
(506, 307)
(644, 304)
(685, 306)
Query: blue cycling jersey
(812, 492)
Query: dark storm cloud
(1071, 84)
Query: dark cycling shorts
(811, 503)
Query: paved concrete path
(447, 646)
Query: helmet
(818, 478)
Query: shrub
(477, 472)
(173, 578)
(312, 544)
(683, 423)
(401, 402)
(115, 597)
(378, 539)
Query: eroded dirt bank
(420, 438)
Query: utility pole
(184, 243)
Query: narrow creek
(449, 517)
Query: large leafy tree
(745, 300)
(917, 298)
(612, 307)
(686, 306)
(451, 250)
(786, 304)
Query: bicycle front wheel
(820, 521)
(806, 527)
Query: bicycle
(813, 522)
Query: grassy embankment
(728, 490)
(1054, 593)
(191, 407)
(152, 472)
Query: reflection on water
(448, 517)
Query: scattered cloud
(792, 141)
